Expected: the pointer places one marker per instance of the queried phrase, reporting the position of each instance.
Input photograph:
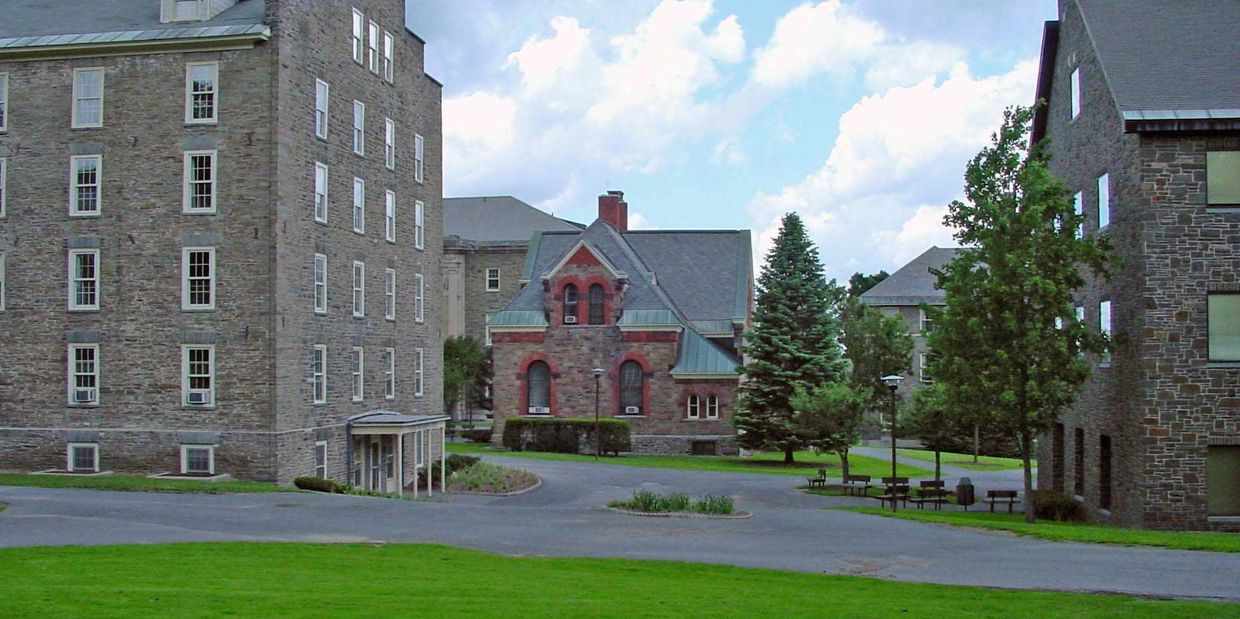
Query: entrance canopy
(379, 427)
(390, 422)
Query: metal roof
(518, 318)
(697, 356)
(392, 418)
(912, 284)
(648, 318)
(44, 22)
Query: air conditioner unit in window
(570, 320)
(540, 410)
(632, 410)
(83, 396)
(197, 397)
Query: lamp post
(893, 383)
(598, 436)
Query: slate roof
(912, 284)
(41, 18)
(498, 219)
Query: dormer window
(571, 303)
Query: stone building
(661, 312)
(1143, 118)
(219, 240)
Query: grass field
(285, 580)
(138, 484)
(807, 462)
(965, 461)
(1069, 531)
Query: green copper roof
(518, 318)
(698, 356)
(646, 318)
(711, 326)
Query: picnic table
(859, 484)
(932, 492)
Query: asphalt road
(566, 517)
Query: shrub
(318, 484)
(455, 462)
(646, 501)
(1051, 505)
(477, 435)
(651, 503)
(676, 502)
(565, 435)
(715, 504)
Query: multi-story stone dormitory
(1144, 126)
(220, 239)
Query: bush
(1051, 505)
(565, 435)
(648, 502)
(318, 484)
(477, 435)
(715, 504)
(455, 462)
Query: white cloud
(637, 221)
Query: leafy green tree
(794, 341)
(1009, 344)
(859, 283)
(877, 344)
(828, 419)
(464, 362)
(930, 420)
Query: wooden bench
(1001, 496)
(859, 484)
(893, 493)
(932, 492)
(818, 482)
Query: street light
(893, 382)
(598, 436)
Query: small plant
(676, 502)
(715, 504)
(648, 502)
(1052, 505)
(491, 479)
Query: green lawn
(138, 484)
(807, 462)
(965, 461)
(1069, 531)
(285, 580)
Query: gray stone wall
(479, 302)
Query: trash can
(964, 492)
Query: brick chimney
(612, 209)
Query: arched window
(693, 407)
(596, 304)
(538, 386)
(570, 304)
(632, 380)
(712, 406)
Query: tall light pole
(893, 382)
(598, 435)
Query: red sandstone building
(662, 312)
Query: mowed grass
(806, 465)
(291, 580)
(965, 461)
(138, 484)
(1069, 531)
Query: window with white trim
(1104, 326)
(1078, 207)
(197, 459)
(389, 60)
(1075, 92)
(693, 407)
(198, 375)
(84, 279)
(923, 374)
(85, 181)
(82, 458)
(322, 98)
(198, 278)
(419, 225)
(419, 298)
(83, 374)
(2, 282)
(419, 153)
(389, 143)
(4, 169)
(1222, 325)
(320, 192)
(201, 92)
(493, 280)
(320, 459)
(372, 48)
(359, 289)
(389, 374)
(87, 98)
(927, 323)
(359, 205)
(318, 374)
(1104, 200)
(419, 360)
(358, 35)
(486, 322)
(357, 366)
(359, 128)
(4, 101)
(320, 283)
(712, 406)
(389, 294)
(389, 216)
(199, 185)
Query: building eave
(91, 46)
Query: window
(318, 374)
(200, 181)
(357, 365)
(693, 408)
(84, 184)
(201, 91)
(2, 281)
(389, 375)
(359, 206)
(712, 406)
(1078, 461)
(419, 152)
(197, 459)
(1057, 449)
(372, 48)
(389, 216)
(389, 294)
(419, 225)
(1104, 201)
(571, 303)
(4, 168)
(927, 322)
(358, 35)
(492, 280)
(597, 304)
(4, 101)
(1104, 472)
(486, 323)
(632, 383)
(538, 386)
(83, 374)
(923, 373)
(359, 128)
(419, 298)
(320, 459)
(1222, 172)
(198, 375)
(389, 143)
(359, 289)
(83, 279)
(1104, 327)
(1223, 480)
(389, 65)
(198, 278)
(87, 98)
(1078, 207)
(83, 458)
(320, 284)
(1076, 92)
(322, 95)
(419, 359)
(1222, 325)
(320, 192)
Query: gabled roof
(498, 219)
(912, 284)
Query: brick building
(1144, 123)
(661, 312)
(219, 240)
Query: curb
(737, 515)
(536, 486)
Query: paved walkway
(565, 517)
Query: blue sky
(858, 115)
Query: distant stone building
(661, 312)
(219, 240)
(1144, 126)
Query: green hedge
(318, 484)
(1051, 505)
(565, 435)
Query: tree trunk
(788, 455)
(844, 464)
(1030, 516)
(976, 442)
(936, 465)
